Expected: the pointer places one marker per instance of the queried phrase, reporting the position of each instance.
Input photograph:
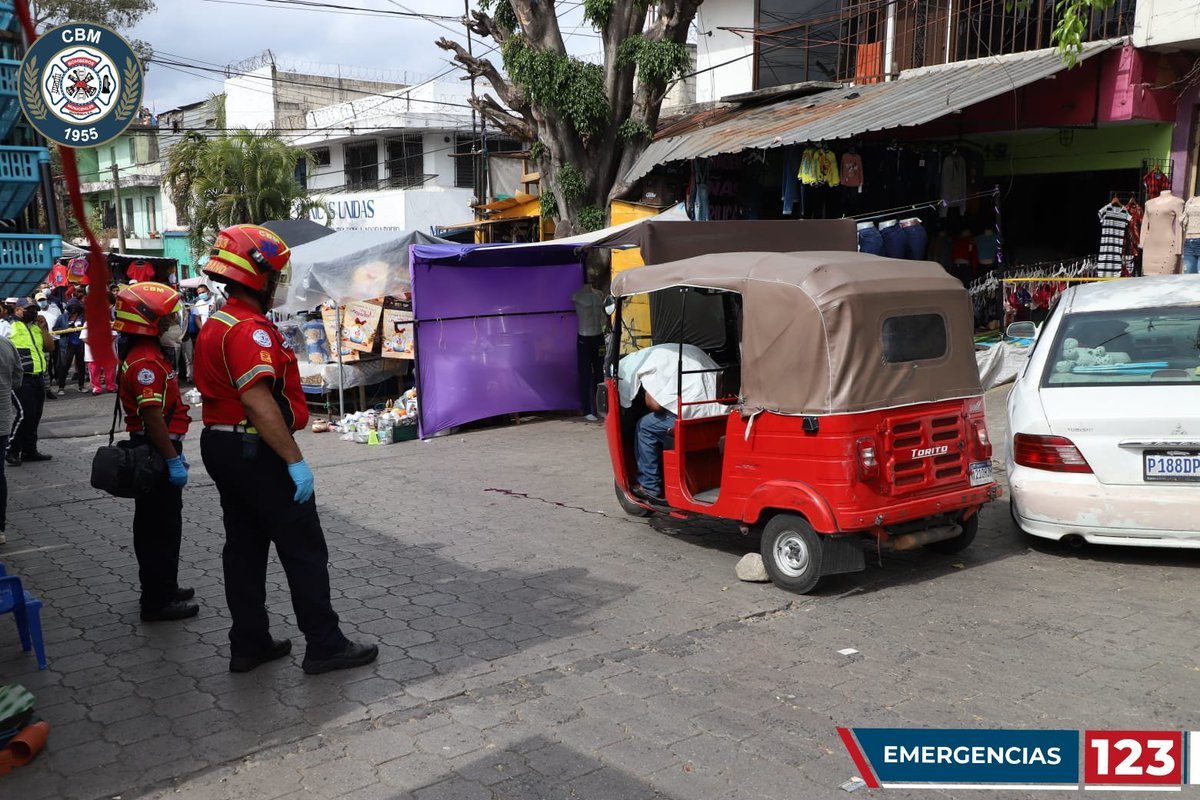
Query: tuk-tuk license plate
(981, 472)
(1171, 465)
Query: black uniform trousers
(157, 532)
(32, 395)
(258, 510)
(591, 361)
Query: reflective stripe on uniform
(228, 319)
(252, 373)
(156, 398)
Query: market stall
(359, 281)
(495, 330)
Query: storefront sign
(362, 211)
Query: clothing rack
(927, 204)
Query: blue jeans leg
(894, 243)
(916, 242)
(869, 241)
(1191, 256)
(652, 432)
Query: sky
(214, 33)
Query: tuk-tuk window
(914, 337)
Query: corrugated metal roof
(916, 97)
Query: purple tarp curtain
(495, 331)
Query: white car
(1104, 421)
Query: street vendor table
(322, 378)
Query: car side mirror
(1021, 330)
(610, 305)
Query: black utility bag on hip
(124, 469)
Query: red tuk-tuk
(840, 406)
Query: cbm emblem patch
(81, 85)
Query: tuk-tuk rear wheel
(791, 553)
(628, 506)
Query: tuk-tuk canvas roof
(812, 327)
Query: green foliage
(590, 218)
(657, 62)
(111, 13)
(238, 177)
(563, 84)
(570, 182)
(548, 206)
(1074, 17)
(597, 12)
(536, 151)
(632, 130)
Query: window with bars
(406, 161)
(466, 167)
(362, 165)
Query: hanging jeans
(894, 243)
(916, 241)
(869, 240)
(1191, 256)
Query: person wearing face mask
(197, 315)
(49, 313)
(33, 343)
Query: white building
(397, 160)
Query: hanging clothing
(1162, 235)
(852, 170)
(791, 179)
(1133, 237)
(827, 167)
(808, 166)
(954, 183)
(1114, 224)
(1155, 181)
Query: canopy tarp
(820, 330)
(296, 232)
(495, 330)
(349, 265)
(665, 238)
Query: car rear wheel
(628, 506)
(791, 552)
(960, 542)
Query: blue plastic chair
(26, 609)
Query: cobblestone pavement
(536, 643)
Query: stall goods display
(392, 422)
(397, 334)
(360, 326)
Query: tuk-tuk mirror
(610, 305)
(1021, 330)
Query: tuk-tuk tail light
(981, 435)
(868, 459)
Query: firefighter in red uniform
(155, 413)
(248, 377)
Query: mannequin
(1162, 234)
(1191, 236)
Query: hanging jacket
(28, 341)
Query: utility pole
(120, 211)
(476, 159)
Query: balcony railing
(850, 42)
(356, 183)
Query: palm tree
(238, 177)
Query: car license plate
(981, 472)
(1171, 465)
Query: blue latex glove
(185, 461)
(177, 471)
(302, 476)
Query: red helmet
(140, 307)
(247, 254)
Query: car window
(1124, 348)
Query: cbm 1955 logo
(81, 85)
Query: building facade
(405, 160)
(128, 166)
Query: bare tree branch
(477, 67)
(485, 25)
(519, 128)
